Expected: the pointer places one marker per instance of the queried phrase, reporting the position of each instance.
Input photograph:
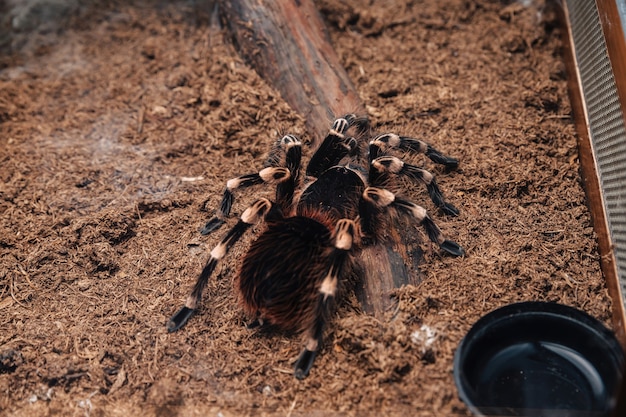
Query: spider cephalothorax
(315, 226)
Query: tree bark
(286, 42)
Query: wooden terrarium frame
(595, 50)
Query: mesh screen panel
(605, 119)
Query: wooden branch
(286, 42)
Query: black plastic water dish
(539, 359)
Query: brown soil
(117, 124)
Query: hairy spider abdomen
(282, 271)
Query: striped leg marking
(251, 216)
(333, 148)
(393, 165)
(269, 175)
(384, 198)
(344, 237)
(391, 140)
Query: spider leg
(293, 157)
(275, 172)
(381, 198)
(391, 140)
(393, 165)
(269, 175)
(337, 263)
(333, 148)
(253, 214)
(280, 151)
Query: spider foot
(179, 319)
(304, 363)
(437, 197)
(452, 248)
(212, 225)
(449, 209)
(439, 158)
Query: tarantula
(316, 225)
